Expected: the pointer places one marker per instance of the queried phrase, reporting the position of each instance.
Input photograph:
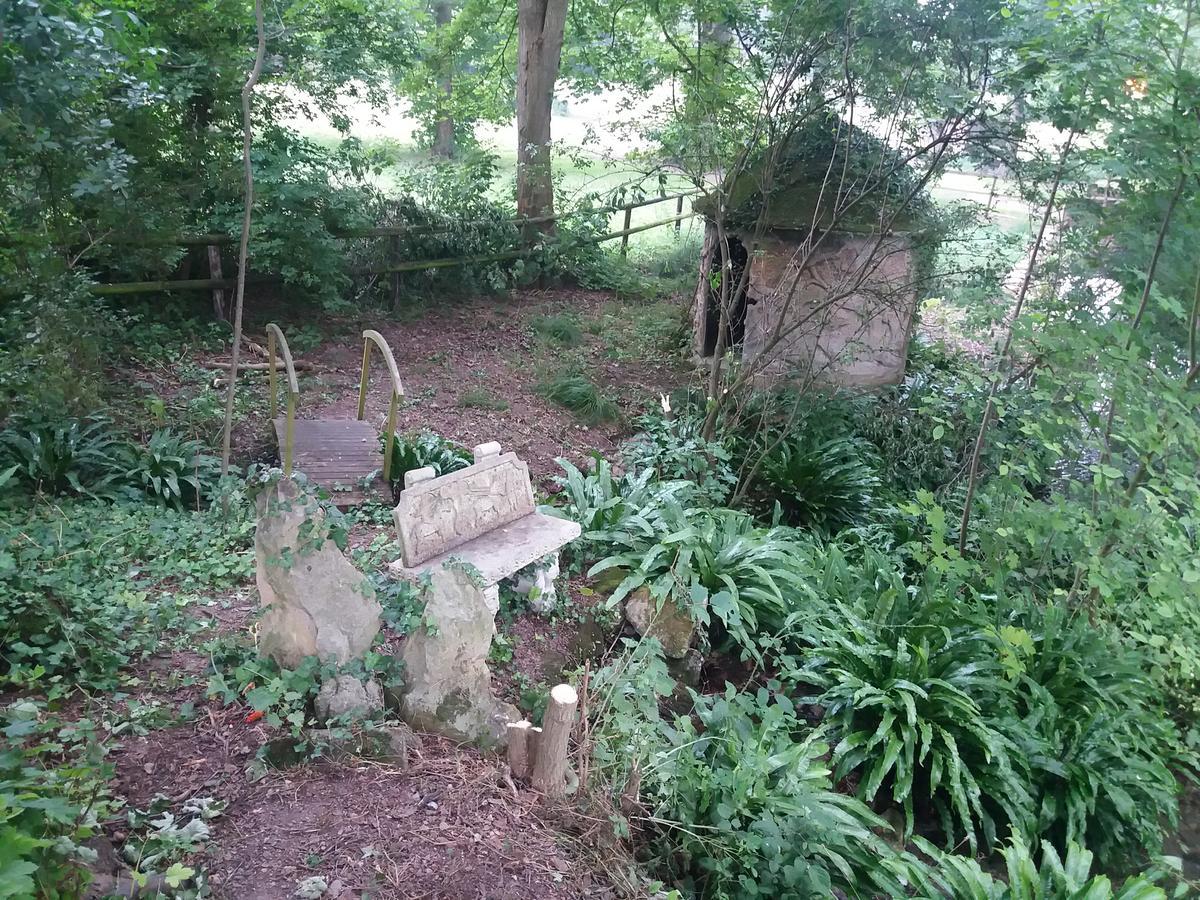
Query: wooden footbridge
(342, 456)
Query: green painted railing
(369, 338)
(275, 336)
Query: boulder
(448, 687)
(346, 696)
(670, 623)
(317, 603)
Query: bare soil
(450, 826)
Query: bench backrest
(437, 514)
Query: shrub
(600, 503)
(561, 329)
(674, 450)
(716, 563)
(1057, 878)
(580, 396)
(917, 700)
(426, 449)
(75, 456)
(51, 795)
(824, 484)
(756, 809)
(1100, 773)
(171, 469)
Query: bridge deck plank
(337, 454)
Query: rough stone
(448, 685)
(672, 625)
(317, 603)
(538, 586)
(346, 696)
(686, 670)
(389, 744)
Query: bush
(172, 470)
(581, 397)
(74, 456)
(826, 485)
(675, 451)
(425, 449)
(1057, 878)
(919, 705)
(561, 329)
(756, 808)
(1101, 770)
(746, 581)
(51, 796)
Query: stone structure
(344, 696)
(317, 603)
(460, 534)
(831, 292)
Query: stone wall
(847, 317)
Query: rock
(538, 586)
(389, 744)
(311, 888)
(672, 625)
(317, 603)
(448, 688)
(346, 696)
(686, 670)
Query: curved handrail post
(274, 336)
(374, 337)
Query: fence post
(678, 213)
(218, 294)
(625, 237)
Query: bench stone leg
(448, 687)
(538, 586)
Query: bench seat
(502, 551)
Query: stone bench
(483, 515)
(460, 535)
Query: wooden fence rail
(219, 283)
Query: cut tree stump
(550, 770)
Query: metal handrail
(274, 335)
(374, 337)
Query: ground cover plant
(859, 338)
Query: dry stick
(550, 764)
(244, 247)
(977, 450)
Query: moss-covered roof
(812, 159)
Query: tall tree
(540, 26)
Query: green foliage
(426, 449)
(75, 614)
(72, 456)
(914, 693)
(746, 581)
(171, 469)
(52, 794)
(580, 395)
(747, 807)
(1101, 770)
(675, 451)
(482, 398)
(561, 329)
(1058, 878)
(823, 484)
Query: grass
(482, 398)
(562, 329)
(581, 396)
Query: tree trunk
(443, 136)
(540, 25)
